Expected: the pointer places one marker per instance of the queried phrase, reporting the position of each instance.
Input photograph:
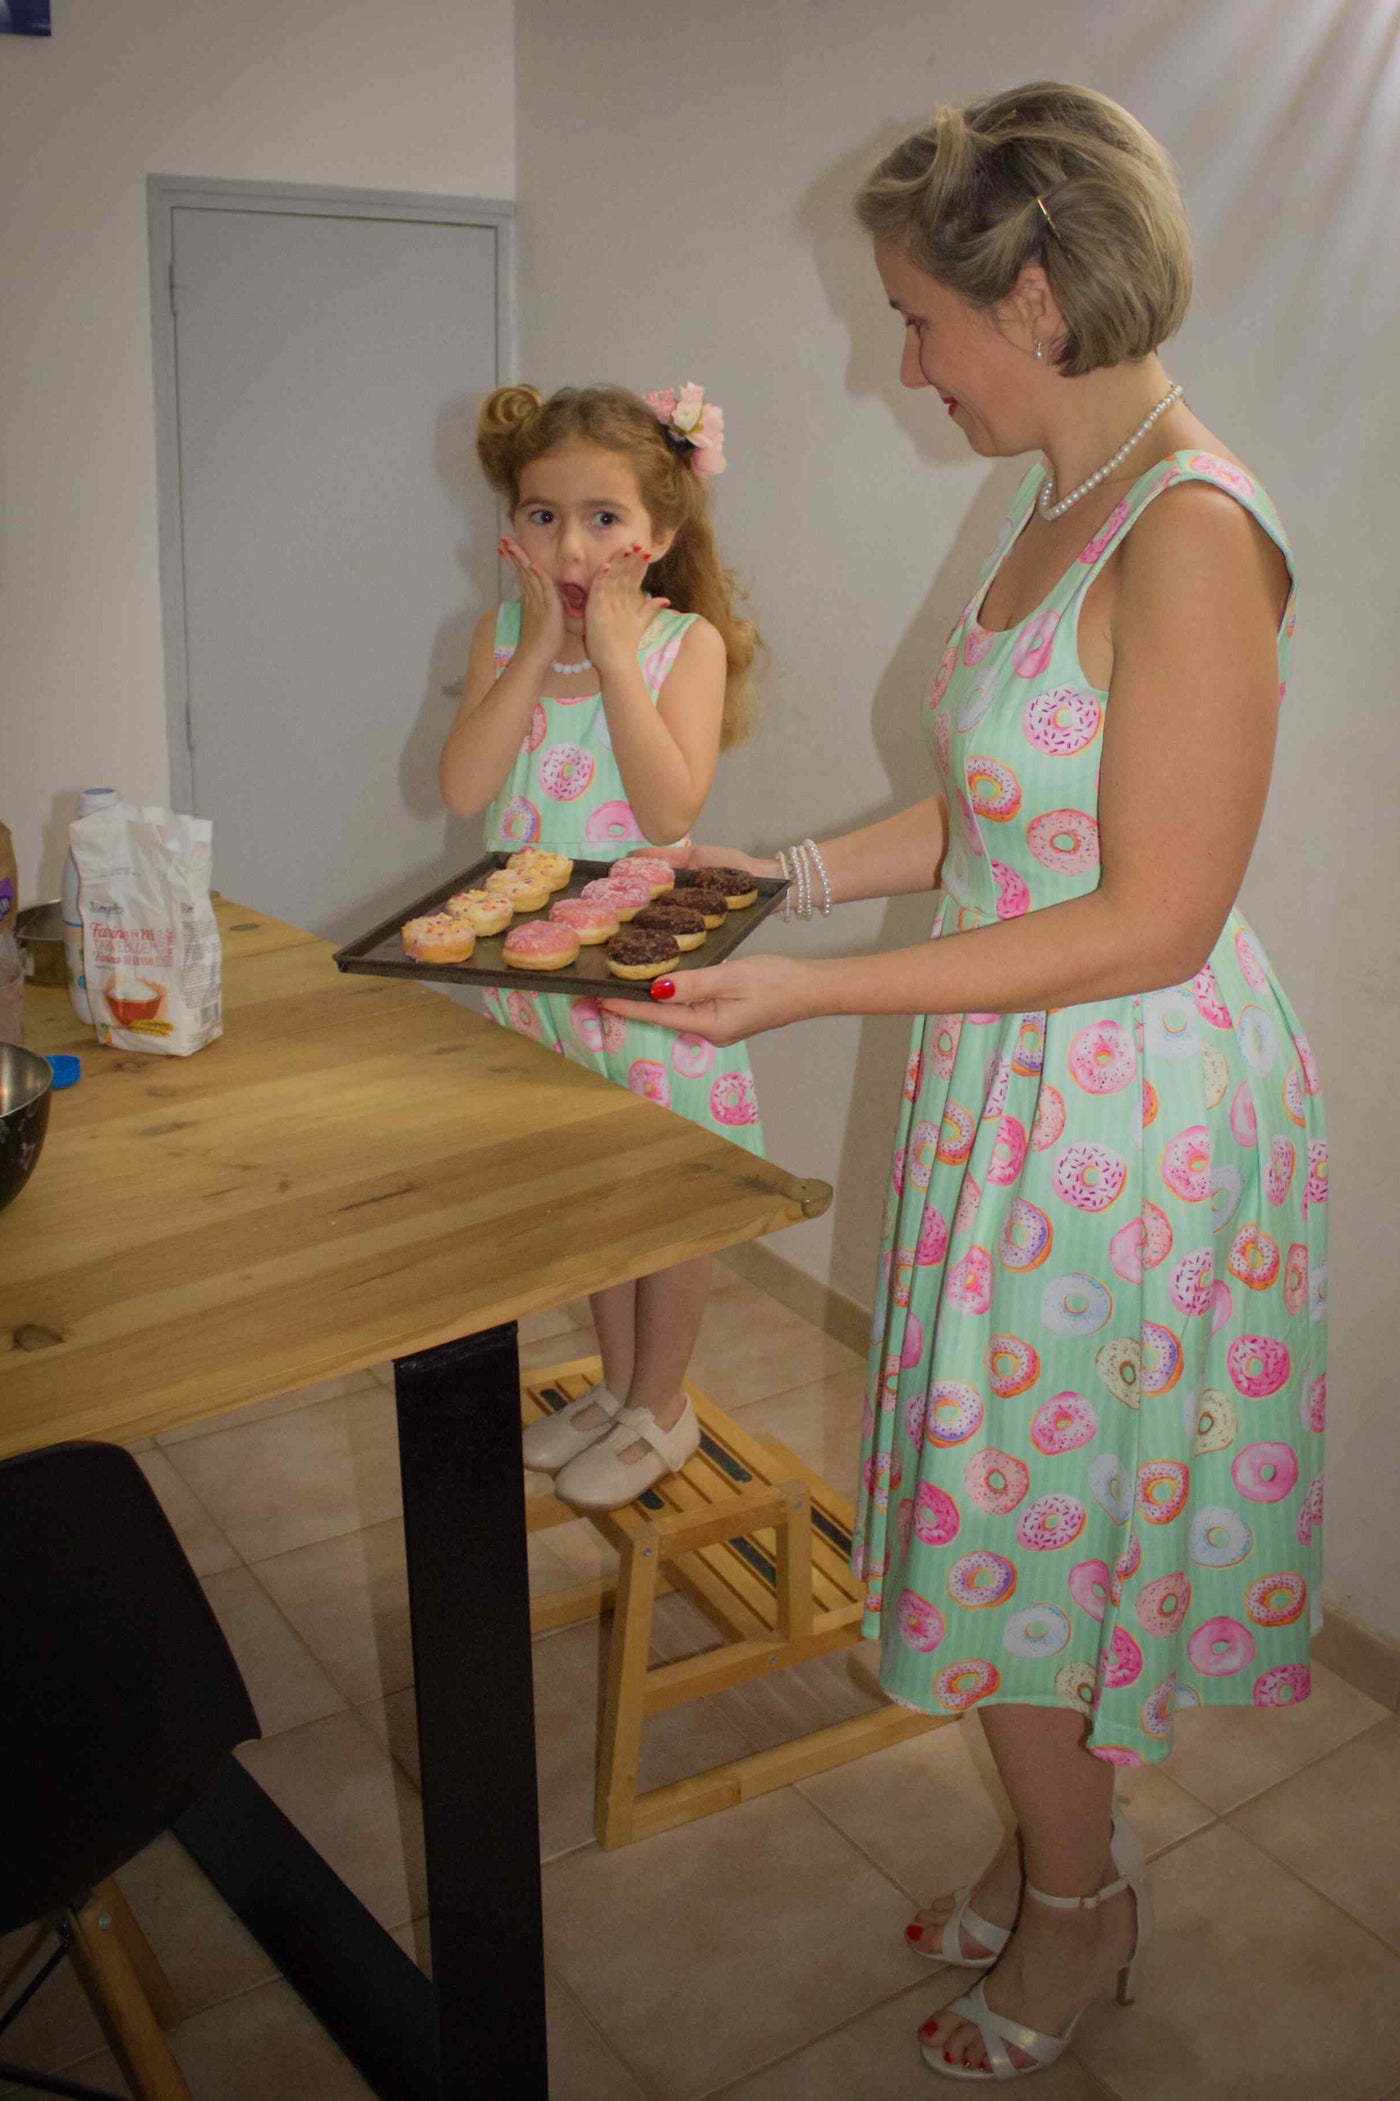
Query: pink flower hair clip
(692, 425)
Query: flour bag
(151, 952)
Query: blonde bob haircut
(1048, 174)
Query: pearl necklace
(1057, 510)
(572, 670)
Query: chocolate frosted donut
(708, 903)
(682, 920)
(641, 952)
(732, 884)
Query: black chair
(119, 1698)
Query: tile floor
(756, 1955)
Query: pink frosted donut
(1220, 1647)
(1049, 1119)
(1278, 1180)
(996, 1083)
(1222, 1306)
(1312, 1078)
(941, 677)
(1012, 1366)
(942, 745)
(733, 1101)
(610, 823)
(564, 771)
(955, 1137)
(1090, 1177)
(1061, 721)
(1031, 651)
(1088, 1586)
(1116, 1754)
(1316, 1191)
(1244, 1124)
(1125, 1567)
(1210, 1002)
(968, 1287)
(1186, 1164)
(1156, 1709)
(1294, 1096)
(898, 1269)
(920, 1153)
(969, 1198)
(647, 1077)
(913, 1348)
(976, 644)
(936, 1516)
(1162, 1489)
(1141, 1244)
(996, 1481)
(1008, 1152)
(1161, 1358)
(1050, 1521)
(1310, 1512)
(586, 1021)
(625, 900)
(1013, 897)
(883, 1473)
(1063, 1424)
(1278, 1600)
(525, 1015)
(1251, 968)
(994, 789)
(1162, 1605)
(980, 1579)
(1312, 1404)
(1065, 840)
(943, 1033)
(534, 735)
(1106, 533)
(590, 919)
(614, 1032)
(1101, 1058)
(933, 1238)
(1192, 1282)
(540, 944)
(913, 1073)
(954, 1412)
(959, 1686)
(920, 1622)
(1026, 1236)
(1254, 1258)
(692, 1056)
(1029, 1057)
(1258, 1365)
(1283, 1686)
(1210, 464)
(915, 1408)
(519, 822)
(1123, 1663)
(1265, 1473)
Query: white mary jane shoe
(554, 1440)
(601, 1479)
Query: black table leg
(468, 1576)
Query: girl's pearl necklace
(1057, 510)
(572, 670)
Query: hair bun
(502, 413)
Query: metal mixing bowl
(25, 1084)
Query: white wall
(414, 96)
(683, 181)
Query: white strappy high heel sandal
(963, 1919)
(998, 2030)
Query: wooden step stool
(761, 1545)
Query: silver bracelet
(815, 851)
(804, 883)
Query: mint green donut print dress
(565, 792)
(1092, 1463)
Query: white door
(338, 543)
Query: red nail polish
(663, 988)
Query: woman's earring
(1039, 350)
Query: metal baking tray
(380, 952)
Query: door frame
(165, 194)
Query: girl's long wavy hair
(518, 426)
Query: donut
(623, 900)
(959, 1128)
(1013, 895)
(540, 946)
(974, 704)
(936, 1516)
(553, 869)
(1122, 1665)
(1258, 1365)
(1184, 1696)
(1170, 1025)
(1186, 1164)
(1089, 1177)
(1312, 1078)
(660, 874)
(968, 1285)
(734, 885)
(1162, 1489)
(976, 643)
(883, 1473)
(1012, 1366)
(1036, 1630)
(610, 823)
(565, 771)
(1278, 1180)
(933, 1237)
(1283, 1686)
(995, 1481)
(1251, 966)
(969, 1199)
(1026, 1236)
(733, 1101)
(1294, 1096)
(1266, 1472)
(1210, 1003)
(942, 742)
(1075, 1304)
(941, 1035)
(1107, 532)
(1216, 1072)
(980, 1579)
(1049, 1522)
(1310, 1512)
(1192, 1282)
(1075, 1685)
(1065, 840)
(586, 1021)
(1061, 721)
(1155, 1712)
(1163, 1604)
(994, 789)
(996, 1084)
(959, 1686)
(1030, 652)
(913, 1349)
(1226, 1189)
(913, 1073)
(943, 676)
(1220, 1647)
(921, 1624)
(898, 1269)
(1219, 1538)
(1278, 1600)
(1253, 1258)
(614, 1032)
(441, 937)
(519, 821)
(1049, 1119)
(485, 911)
(1101, 1058)
(691, 1056)
(1141, 1244)
(708, 903)
(1028, 1059)
(1244, 1123)
(523, 1011)
(641, 954)
(1119, 1364)
(1063, 1424)
(1008, 1152)
(1211, 1421)
(525, 893)
(1312, 1404)
(1147, 1112)
(1111, 1487)
(590, 919)
(687, 927)
(1088, 1586)
(1125, 1567)
(1161, 1358)
(954, 1412)
(1316, 1191)
(920, 1154)
(1258, 1040)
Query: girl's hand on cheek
(541, 608)
(729, 1001)
(619, 612)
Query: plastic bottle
(89, 799)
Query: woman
(1091, 1476)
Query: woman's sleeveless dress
(1092, 1466)
(565, 792)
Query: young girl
(591, 718)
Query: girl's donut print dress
(1092, 1465)
(565, 792)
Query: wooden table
(360, 1169)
